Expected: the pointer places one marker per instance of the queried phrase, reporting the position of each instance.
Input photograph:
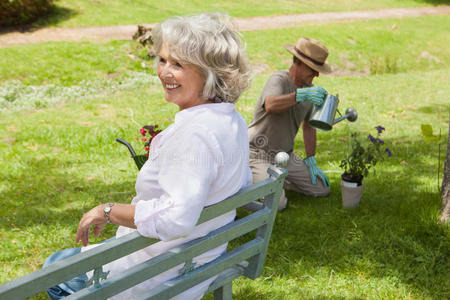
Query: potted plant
(362, 156)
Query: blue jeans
(71, 286)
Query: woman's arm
(120, 214)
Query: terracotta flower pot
(351, 193)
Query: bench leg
(224, 292)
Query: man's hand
(315, 171)
(314, 94)
(93, 217)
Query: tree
(445, 216)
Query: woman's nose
(165, 71)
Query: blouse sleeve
(187, 171)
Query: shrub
(21, 12)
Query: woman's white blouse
(199, 160)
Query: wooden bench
(245, 259)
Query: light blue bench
(245, 259)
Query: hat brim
(325, 68)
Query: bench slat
(71, 267)
(244, 196)
(175, 257)
(174, 287)
(227, 276)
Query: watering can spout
(323, 117)
(350, 114)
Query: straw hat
(312, 52)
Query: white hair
(211, 42)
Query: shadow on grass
(55, 196)
(435, 109)
(394, 232)
(434, 2)
(41, 204)
(276, 294)
(56, 15)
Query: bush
(21, 12)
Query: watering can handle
(130, 148)
(340, 118)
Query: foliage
(427, 132)
(21, 12)
(363, 156)
(386, 64)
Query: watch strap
(107, 210)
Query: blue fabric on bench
(75, 284)
(69, 287)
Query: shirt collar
(187, 113)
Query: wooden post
(224, 293)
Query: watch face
(107, 209)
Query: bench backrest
(249, 255)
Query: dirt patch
(125, 32)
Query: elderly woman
(199, 160)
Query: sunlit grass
(119, 12)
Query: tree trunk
(445, 216)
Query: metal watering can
(323, 117)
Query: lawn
(118, 12)
(65, 103)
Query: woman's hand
(95, 217)
(121, 214)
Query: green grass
(418, 43)
(119, 12)
(68, 63)
(381, 46)
(60, 159)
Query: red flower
(148, 132)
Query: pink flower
(148, 132)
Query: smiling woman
(212, 46)
(199, 160)
(182, 82)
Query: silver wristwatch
(107, 210)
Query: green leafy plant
(427, 132)
(363, 155)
